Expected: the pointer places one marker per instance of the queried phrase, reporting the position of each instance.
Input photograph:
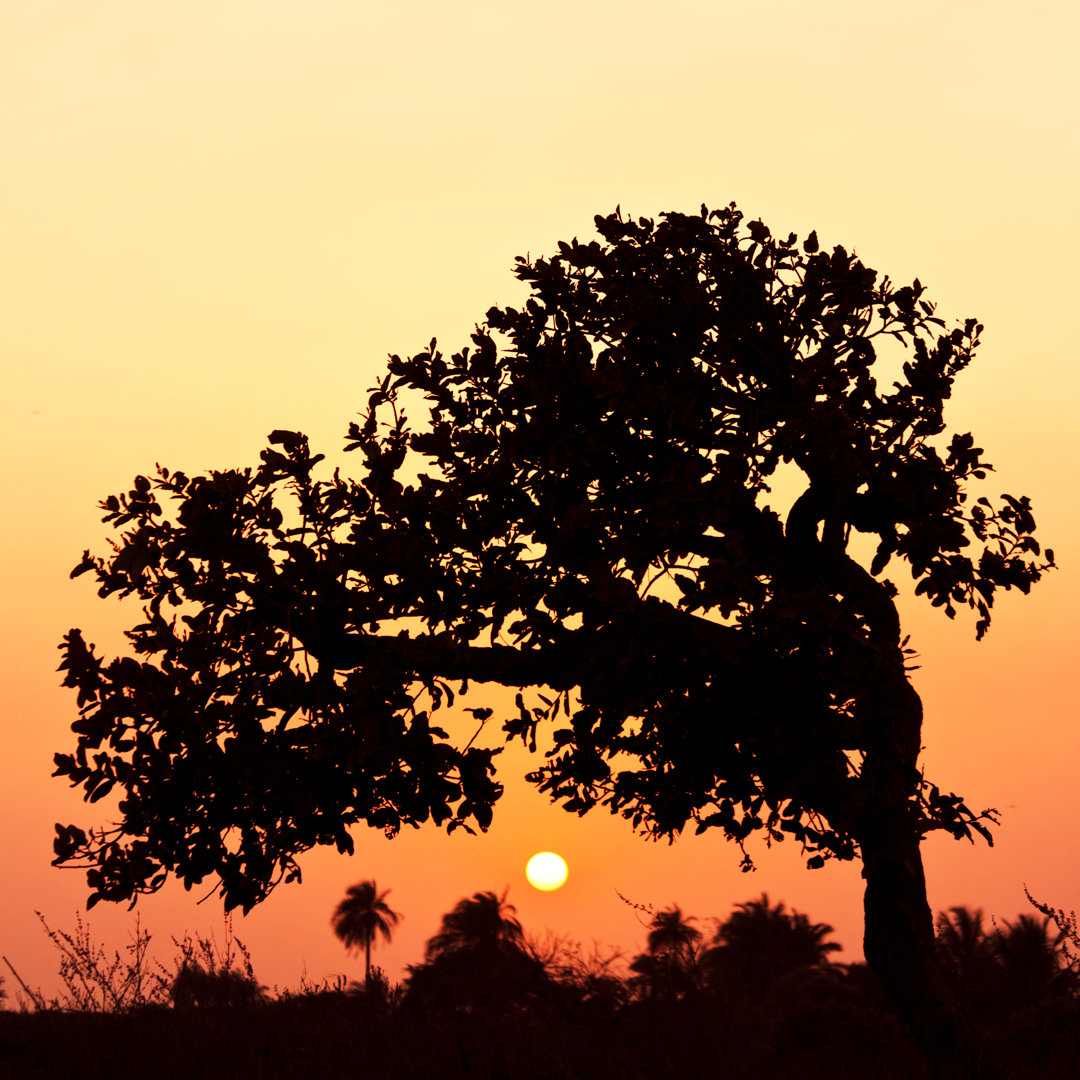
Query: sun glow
(546, 871)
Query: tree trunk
(899, 941)
(885, 819)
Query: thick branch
(839, 570)
(561, 665)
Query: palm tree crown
(361, 917)
(762, 941)
(670, 932)
(483, 922)
(1030, 952)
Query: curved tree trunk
(899, 941)
(884, 818)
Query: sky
(219, 218)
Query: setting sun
(546, 871)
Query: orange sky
(218, 219)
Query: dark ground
(820, 1038)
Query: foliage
(211, 976)
(818, 1022)
(94, 981)
(1016, 964)
(1068, 927)
(671, 932)
(362, 916)
(587, 508)
(589, 976)
(481, 923)
(202, 973)
(760, 942)
(668, 968)
(478, 959)
(196, 988)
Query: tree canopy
(591, 505)
(363, 916)
(615, 435)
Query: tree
(585, 977)
(586, 511)
(481, 923)
(363, 916)
(670, 932)
(196, 988)
(478, 959)
(1033, 958)
(761, 941)
(968, 957)
(1016, 966)
(669, 966)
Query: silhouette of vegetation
(477, 960)
(587, 977)
(1067, 924)
(1016, 963)
(203, 973)
(760, 942)
(93, 981)
(361, 917)
(807, 1018)
(197, 988)
(669, 968)
(591, 509)
(209, 976)
(1016, 983)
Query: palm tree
(964, 945)
(481, 923)
(761, 941)
(969, 959)
(670, 932)
(1032, 957)
(361, 917)
(479, 959)
(670, 966)
(1016, 964)
(649, 976)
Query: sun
(546, 871)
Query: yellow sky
(218, 218)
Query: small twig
(637, 907)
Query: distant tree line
(760, 991)
(481, 958)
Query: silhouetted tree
(587, 507)
(481, 923)
(670, 932)
(1067, 924)
(196, 988)
(478, 959)
(1033, 959)
(587, 977)
(668, 969)
(968, 957)
(649, 976)
(1005, 976)
(361, 917)
(760, 941)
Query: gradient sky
(218, 219)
